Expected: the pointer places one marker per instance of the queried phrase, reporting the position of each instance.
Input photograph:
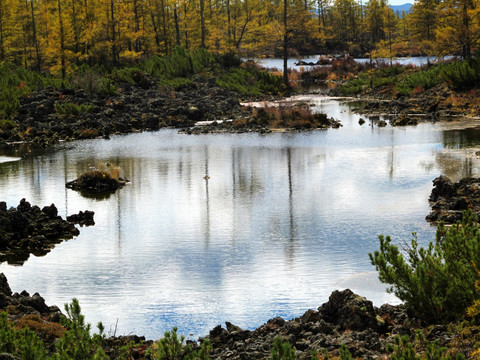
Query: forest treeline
(56, 35)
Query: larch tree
(458, 31)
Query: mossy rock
(96, 183)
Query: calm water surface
(283, 220)
(277, 63)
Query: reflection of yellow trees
(456, 166)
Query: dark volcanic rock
(347, 310)
(82, 218)
(94, 183)
(448, 200)
(49, 115)
(27, 229)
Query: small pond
(281, 220)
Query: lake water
(284, 219)
(277, 63)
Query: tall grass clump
(436, 283)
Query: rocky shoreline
(449, 200)
(346, 321)
(49, 115)
(27, 229)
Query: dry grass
(49, 331)
(111, 170)
(293, 117)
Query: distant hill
(399, 8)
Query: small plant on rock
(171, 347)
(282, 350)
(77, 343)
(22, 343)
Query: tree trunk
(137, 45)
(75, 27)
(177, 27)
(62, 39)
(185, 25)
(155, 29)
(164, 20)
(466, 48)
(35, 42)
(229, 33)
(285, 44)
(202, 23)
(2, 47)
(113, 37)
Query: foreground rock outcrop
(27, 229)
(31, 311)
(346, 319)
(449, 200)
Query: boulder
(448, 200)
(347, 310)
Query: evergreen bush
(282, 350)
(22, 343)
(77, 343)
(436, 283)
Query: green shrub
(354, 86)
(180, 63)
(436, 283)
(462, 75)
(393, 70)
(126, 74)
(424, 79)
(77, 343)
(22, 343)
(282, 350)
(250, 81)
(403, 349)
(70, 108)
(344, 353)
(171, 347)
